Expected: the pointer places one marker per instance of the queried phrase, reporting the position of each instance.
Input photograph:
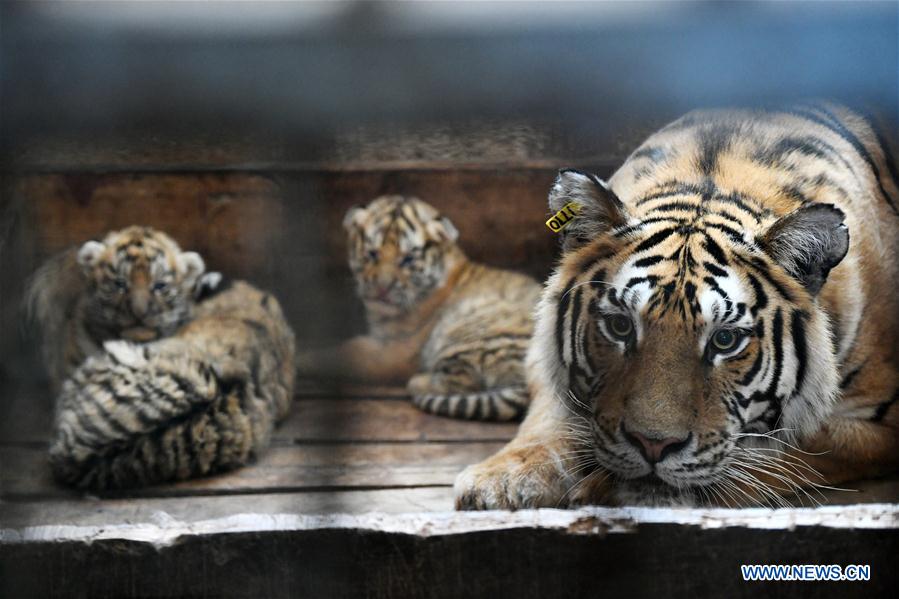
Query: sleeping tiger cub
(135, 284)
(201, 401)
(723, 326)
(459, 329)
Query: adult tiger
(710, 334)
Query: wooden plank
(26, 413)
(359, 147)
(313, 389)
(546, 553)
(231, 219)
(382, 420)
(26, 407)
(244, 223)
(344, 465)
(283, 232)
(164, 530)
(25, 471)
(488, 207)
(89, 510)
(28, 416)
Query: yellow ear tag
(564, 216)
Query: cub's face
(397, 250)
(140, 283)
(679, 349)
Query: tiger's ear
(89, 253)
(353, 217)
(442, 229)
(808, 243)
(599, 209)
(191, 265)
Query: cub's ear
(353, 217)
(808, 243)
(599, 209)
(191, 265)
(89, 253)
(443, 229)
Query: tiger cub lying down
(200, 401)
(456, 330)
(723, 326)
(135, 284)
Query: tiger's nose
(140, 303)
(653, 449)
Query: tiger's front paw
(520, 479)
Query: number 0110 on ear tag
(560, 219)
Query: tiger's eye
(372, 255)
(160, 286)
(407, 260)
(725, 340)
(620, 326)
(121, 285)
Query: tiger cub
(201, 401)
(454, 330)
(135, 284)
(723, 325)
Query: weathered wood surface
(355, 498)
(531, 554)
(382, 420)
(87, 510)
(280, 469)
(281, 230)
(243, 222)
(231, 219)
(351, 418)
(369, 438)
(460, 145)
(352, 443)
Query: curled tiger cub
(722, 326)
(201, 401)
(455, 331)
(135, 284)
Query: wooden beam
(28, 421)
(279, 469)
(545, 553)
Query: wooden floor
(347, 450)
(354, 498)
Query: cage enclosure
(246, 130)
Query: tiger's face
(679, 344)
(397, 251)
(140, 284)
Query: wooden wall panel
(500, 214)
(282, 230)
(230, 218)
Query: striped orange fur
(455, 331)
(723, 326)
(200, 401)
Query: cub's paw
(421, 384)
(520, 479)
(127, 353)
(231, 370)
